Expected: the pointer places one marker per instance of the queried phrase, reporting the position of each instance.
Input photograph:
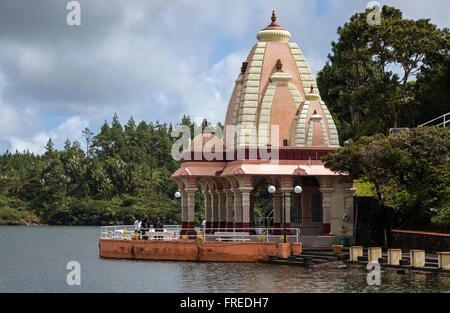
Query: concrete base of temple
(190, 250)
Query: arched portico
(229, 202)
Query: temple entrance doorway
(307, 213)
(262, 204)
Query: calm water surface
(33, 259)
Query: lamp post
(178, 197)
(272, 189)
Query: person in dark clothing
(156, 224)
(145, 228)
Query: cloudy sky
(150, 59)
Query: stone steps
(320, 256)
(324, 257)
(345, 251)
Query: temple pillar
(215, 210)
(326, 210)
(287, 193)
(184, 213)
(237, 209)
(208, 211)
(190, 204)
(349, 194)
(229, 209)
(245, 192)
(222, 209)
(252, 209)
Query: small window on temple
(285, 142)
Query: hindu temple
(275, 109)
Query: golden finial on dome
(274, 19)
(273, 32)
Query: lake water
(34, 259)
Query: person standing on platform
(137, 225)
(145, 228)
(156, 226)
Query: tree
(410, 171)
(360, 83)
(117, 136)
(110, 185)
(87, 134)
(49, 147)
(102, 142)
(431, 90)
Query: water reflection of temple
(275, 109)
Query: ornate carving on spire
(244, 67)
(311, 95)
(279, 65)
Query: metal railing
(127, 230)
(172, 233)
(444, 118)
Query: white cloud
(21, 128)
(16, 122)
(154, 60)
(71, 128)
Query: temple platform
(193, 250)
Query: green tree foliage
(367, 82)
(120, 173)
(410, 171)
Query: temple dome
(276, 88)
(273, 32)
